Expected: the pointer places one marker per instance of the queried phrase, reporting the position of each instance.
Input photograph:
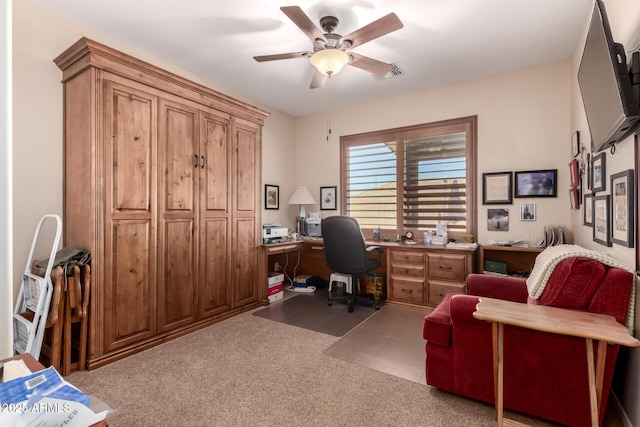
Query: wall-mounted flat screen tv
(611, 106)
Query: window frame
(468, 124)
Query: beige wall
(6, 266)
(523, 124)
(624, 18)
(525, 121)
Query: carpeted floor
(248, 370)
(312, 311)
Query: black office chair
(347, 253)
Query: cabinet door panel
(180, 158)
(177, 289)
(131, 119)
(215, 174)
(179, 167)
(215, 296)
(246, 173)
(130, 216)
(129, 306)
(244, 272)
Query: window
(412, 178)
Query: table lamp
(301, 196)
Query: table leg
(596, 378)
(593, 395)
(497, 330)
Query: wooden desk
(416, 275)
(591, 326)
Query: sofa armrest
(506, 288)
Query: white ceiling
(443, 42)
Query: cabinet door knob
(195, 165)
(202, 162)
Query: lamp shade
(301, 196)
(329, 61)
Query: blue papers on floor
(42, 399)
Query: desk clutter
(41, 397)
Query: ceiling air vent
(396, 71)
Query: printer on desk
(272, 233)
(313, 225)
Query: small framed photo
(496, 188)
(587, 214)
(622, 208)
(328, 198)
(498, 219)
(598, 173)
(575, 144)
(538, 183)
(527, 211)
(271, 196)
(601, 220)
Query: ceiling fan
(331, 51)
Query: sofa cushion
(613, 294)
(437, 324)
(573, 283)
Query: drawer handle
(442, 267)
(410, 291)
(406, 270)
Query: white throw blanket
(548, 259)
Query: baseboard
(619, 409)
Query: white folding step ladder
(32, 307)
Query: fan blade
(378, 28)
(303, 22)
(365, 63)
(278, 56)
(318, 80)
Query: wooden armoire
(162, 181)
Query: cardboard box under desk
(275, 292)
(275, 278)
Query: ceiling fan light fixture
(329, 61)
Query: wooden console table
(591, 326)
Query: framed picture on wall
(587, 214)
(601, 220)
(537, 183)
(271, 196)
(622, 208)
(527, 212)
(328, 198)
(496, 188)
(598, 173)
(575, 144)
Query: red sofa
(545, 375)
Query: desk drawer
(415, 270)
(448, 266)
(437, 291)
(414, 257)
(407, 289)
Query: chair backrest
(344, 245)
(586, 284)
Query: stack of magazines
(553, 236)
